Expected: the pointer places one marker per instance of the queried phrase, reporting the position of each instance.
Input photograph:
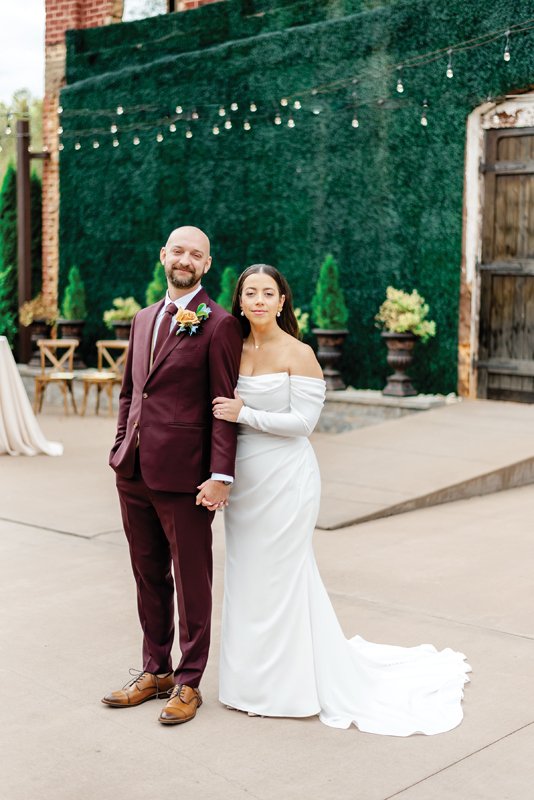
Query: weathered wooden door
(506, 333)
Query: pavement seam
(57, 530)
(459, 760)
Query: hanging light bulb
(159, 137)
(78, 146)
(8, 129)
(61, 146)
(113, 129)
(278, 120)
(506, 54)
(60, 109)
(120, 110)
(234, 106)
(178, 109)
(355, 123)
(316, 109)
(291, 122)
(253, 107)
(424, 119)
(297, 104)
(60, 130)
(222, 111)
(228, 124)
(115, 142)
(189, 134)
(215, 130)
(284, 101)
(246, 125)
(400, 85)
(136, 140)
(450, 72)
(194, 114)
(172, 127)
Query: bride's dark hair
(287, 319)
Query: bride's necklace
(262, 344)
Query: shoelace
(138, 677)
(177, 690)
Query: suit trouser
(164, 529)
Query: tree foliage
(158, 285)
(228, 284)
(329, 309)
(74, 305)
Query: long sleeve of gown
(306, 402)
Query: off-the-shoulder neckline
(270, 374)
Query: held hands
(227, 408)
(213, 495)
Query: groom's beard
(179, 281)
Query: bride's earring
(278, 313)
(242, 313)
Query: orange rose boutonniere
(189, 321)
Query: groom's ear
(208, 265)
(162, 254)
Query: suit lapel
(176, 340)
(148, 334)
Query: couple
(283, 652)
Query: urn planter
(39, 329)
(400, 356)
(122, 328)
(72, 329)
(330, 343)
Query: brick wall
(63, 15)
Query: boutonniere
(189, 321)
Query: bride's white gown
(283, 652)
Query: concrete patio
(457, 575)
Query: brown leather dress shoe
(182, 706)
(145, 686)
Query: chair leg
(84, 401)
(71, 390)
(65, 400)
(110, 397)
(42, 391)
(98, 390)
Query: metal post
(24, 231)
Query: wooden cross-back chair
(110, 368)
(57, 358)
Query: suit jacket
(166, 410)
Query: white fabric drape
(20, 433)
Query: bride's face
(261, 299)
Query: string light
(450, 72)
(246, 125)
(316, 109)
(172, 127)
(136, 140)
(253, 107)
(222, 111)
(159, 137)
(60, 109)
(96, 144)
(228, 124)
(60, 130)
(78, 146)
(113, 128)
(278, 120)
(61, 146)
(115, 142)
(400, 85)
(179, 109)
(424, 120)
(234, 106)
(284, 101)
(291, 122)
(194, 114)
(120, 110)
(215, 130)
(506, 54)
(189, 134)
(8, 129)
(297, 104)
(355, 123)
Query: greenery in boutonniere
(189, 321)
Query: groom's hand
(213, 495)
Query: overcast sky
(22, 42)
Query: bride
(283, 653)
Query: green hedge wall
(385, 199)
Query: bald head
(186, 258)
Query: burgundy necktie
(163, 330)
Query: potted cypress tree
(330, 314)
(228, 284)
(403, 317)
(73, 312)
(158, 285)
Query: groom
(175, 465)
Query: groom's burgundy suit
(167, 443)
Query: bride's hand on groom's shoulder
(227, 408)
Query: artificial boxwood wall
(385, 198)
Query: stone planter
(329, 354)
(72, 329)
(39, 329)
(400, 356)
(122, 328)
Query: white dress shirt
(182, 302)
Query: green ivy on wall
(384, 198)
